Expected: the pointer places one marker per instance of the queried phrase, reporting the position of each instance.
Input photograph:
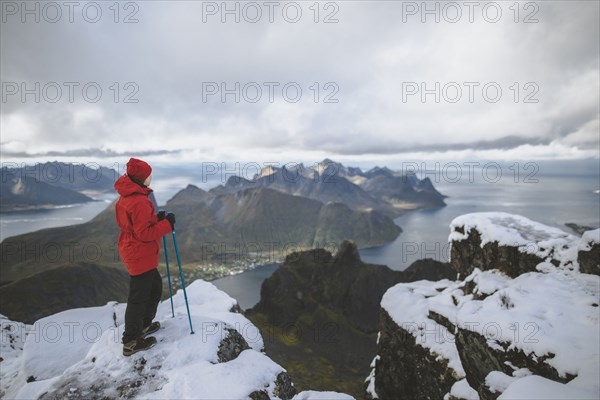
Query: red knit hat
(138, 169)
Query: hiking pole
(168, 275)
(182, 280)
(153, 199)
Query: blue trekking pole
(182, 280)
(153, 199)
(168, 276)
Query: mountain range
(390, 192)
(51, 184)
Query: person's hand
(161, 215)
(171, 218)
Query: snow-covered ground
(518, 231)
(553, 312)
(79, 352)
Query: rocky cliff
(320, 314)
(521, 321)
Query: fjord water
(17, 223)
(554, 200)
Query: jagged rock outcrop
(588, 254)
(381, 189)
(519, 248)
(316, 306)
(507, 327)
(406, 370)
(469, 254)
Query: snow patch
(536, 387)
(314, 395)
(498, 381)
(462, 390)
(589, 239)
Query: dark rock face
(284, 387)
(589, 261)
(477, 358)
(344, 283)
(231, 346)
(319, 314)
(466, 255)
(259, 395)
(406, 370)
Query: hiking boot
(153, 327)
(138, 344)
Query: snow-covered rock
(314, 395)
(534, 335)
(12, 341)
(511, 243)
(77, 354)
(589, 239)
(588, 256)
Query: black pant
(145, 292)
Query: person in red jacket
(139, 247)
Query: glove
(171, 218)
(161, 215)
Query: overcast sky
(374, 61)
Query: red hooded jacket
(139, 240)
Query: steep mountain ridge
(320, 312)
(382, 189)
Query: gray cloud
(92, 153)
(369, 54)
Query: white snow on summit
(515, 230)
(80, 351)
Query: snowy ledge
(516, 231)
(540, 326)
(78, 354)
(551, 318)
(589, 239)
